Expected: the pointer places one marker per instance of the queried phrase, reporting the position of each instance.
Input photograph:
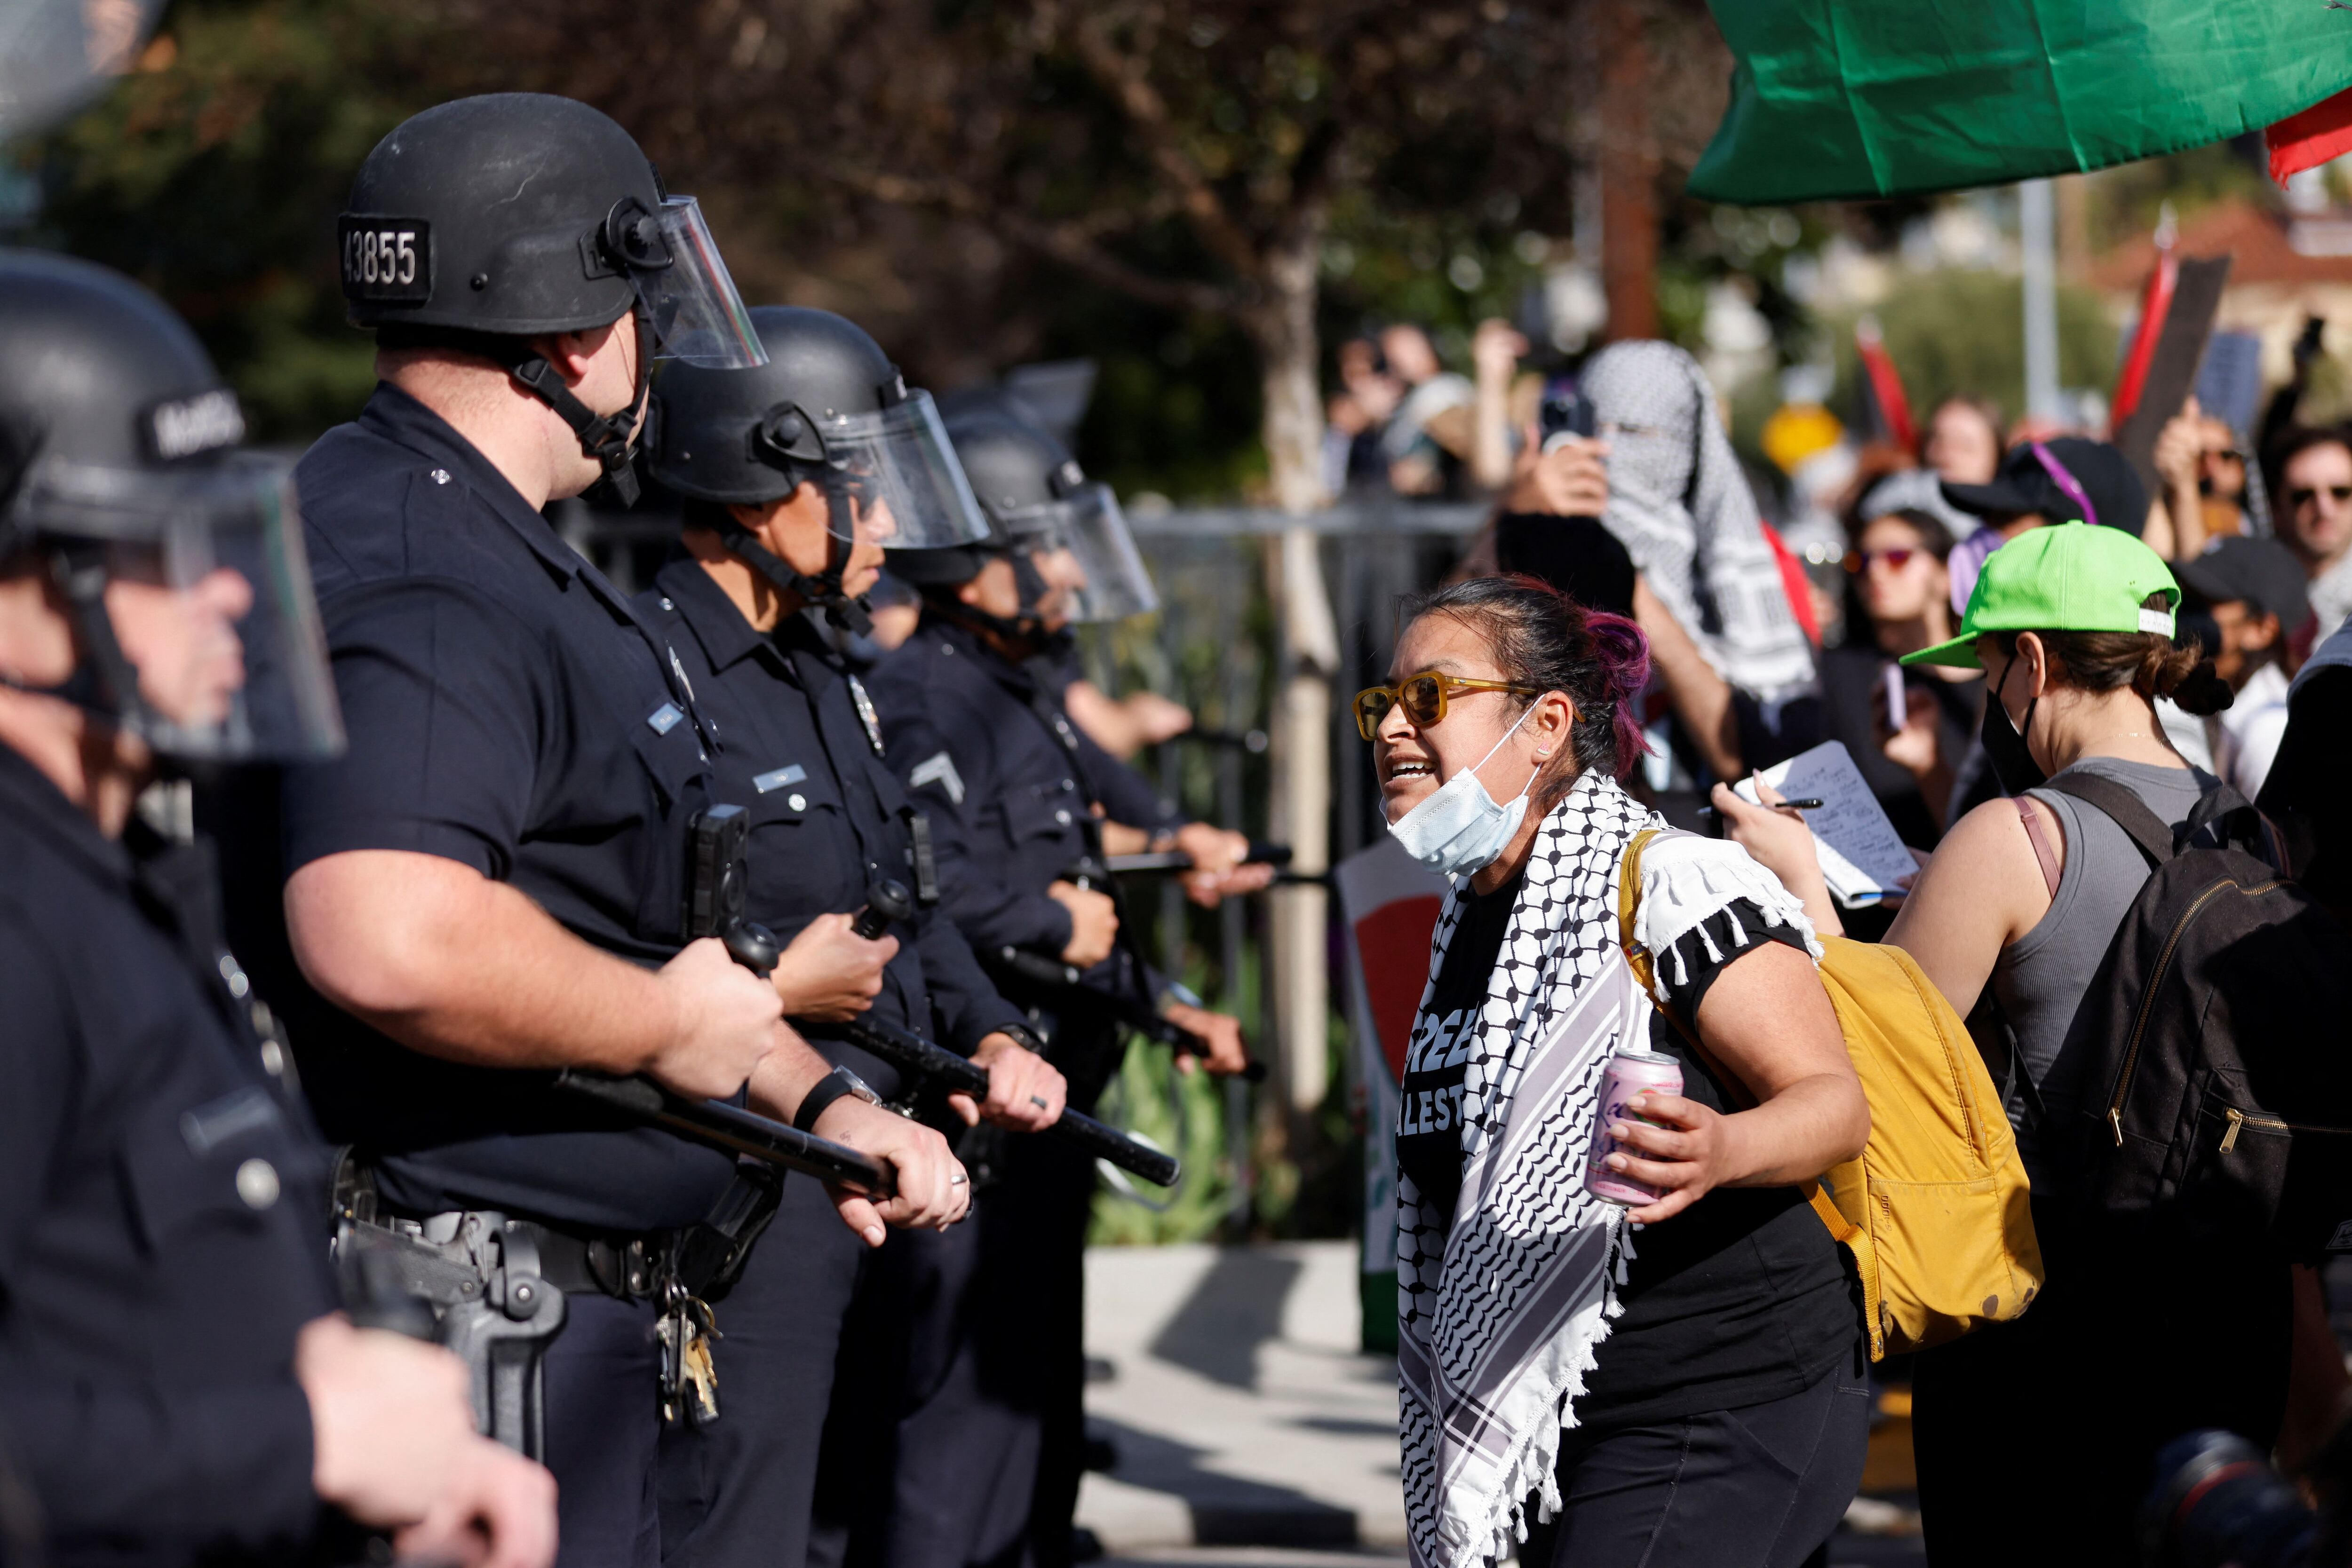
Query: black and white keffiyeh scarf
(1501, 1304)
(1681, 506)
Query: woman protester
(2142, 1337)
(1898, 604)
(1693, 1396)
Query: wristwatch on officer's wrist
(835, 1085)
(1019, 1035)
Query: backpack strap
(2041, 840)
(2234, 820)
(1629, 904)
(2127, 810)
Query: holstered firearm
(478, 1291)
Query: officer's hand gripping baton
(718, 1125)
(1040, 970)
(911, 1053)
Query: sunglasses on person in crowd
(1859, 561)
(2304, 495)
(1422, 698)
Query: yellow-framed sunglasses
(1422, 698)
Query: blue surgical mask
(1459, 830)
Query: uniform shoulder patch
(939, 769)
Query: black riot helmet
(828, 409)
(486, 221)
(121, 476)
(1068, 527)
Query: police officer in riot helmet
(496, 879)
(177, 1383)
(1088, 571)
(795, 477)
(987, 1467)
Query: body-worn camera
(717, 842)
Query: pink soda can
(1630, 1075)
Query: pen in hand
(1807, 804)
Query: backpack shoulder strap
(2230, 819)
(2041, 842)
(2127, 810)
(1629, 904)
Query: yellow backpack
(1935, 1210)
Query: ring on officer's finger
(1038, 1100)
(958, 1179)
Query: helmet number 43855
(386, 259)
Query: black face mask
(2004, 743)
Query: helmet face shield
(209, 594)
(906, 490)
(1083, 550)
(688, 296)
(54, 54)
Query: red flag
(2306, 140)
(1885, 384)
(2155, 305)
(1795, 584)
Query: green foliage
(1183, 1111)
(1961, 333)
(1176, 398)
(213, 173)
(1447, 269)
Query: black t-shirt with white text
(1740, 1299)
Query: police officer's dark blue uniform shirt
(1127, 796)
(162, 1209)
(974, 753)
(827, 814)
(507, 710)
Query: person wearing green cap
(2073, 625)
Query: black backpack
(2217, 1076)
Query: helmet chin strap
(607, 439)
(1025, 630)
(103, 682)
(820, 588)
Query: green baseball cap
(2071, 577)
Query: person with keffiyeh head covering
(1679, 501)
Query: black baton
(912, 1054)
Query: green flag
(1857, 98)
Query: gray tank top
(2040, 978)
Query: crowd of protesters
(2053, 680)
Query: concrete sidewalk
(1250, 1433)
(1241, 1410)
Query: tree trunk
(1629, 173)
(1282, 326)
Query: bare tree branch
(1128, 80)
(1073, 243)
